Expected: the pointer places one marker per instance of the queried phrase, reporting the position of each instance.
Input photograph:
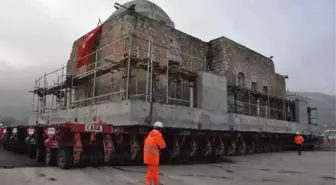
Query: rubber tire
(65, 158)
(31, 151)
(96, 158)
(50, 157)
(39, 157)
(124, 158)
(84, 160)
(167, 157)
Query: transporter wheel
(259, 148)
(266, 148)
(50, 157)
(96, 158)
(65, 158)
(84, 160)
(31, 151)
(241, 149)
(166, 157)
(124, 158)
(113, 159)
(169, 156)
(136, 157)
(231, 150)
(19, 148)
(14, 147)
(251, 148)
(39, 157)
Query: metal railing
(260, 110)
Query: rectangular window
(254, 86)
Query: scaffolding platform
(174, 69)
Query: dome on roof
(147, 9)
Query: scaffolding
(255, 97)
(137, 68)
(131, 67)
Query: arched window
(241, 79)
(265, 89)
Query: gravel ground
(312, 168)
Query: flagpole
(99, 22)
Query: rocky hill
(325, 104)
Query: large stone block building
(142, 30)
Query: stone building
(254, 88)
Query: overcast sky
(300, 34)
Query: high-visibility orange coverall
(298, 141)
(153, 144)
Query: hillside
(325, 105)
(15, 84)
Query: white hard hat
(158, 124)
(297, 133)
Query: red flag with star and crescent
(85, 47)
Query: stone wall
(167, 44)
(230, 58)
(222, 56)
(112, 32)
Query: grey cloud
(300, 34)
(37, 36)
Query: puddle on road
(221, 167)
(41, 175)
(127, 170)
(52, 179)
(205, 176)
(272, 180)
(230, 171)
(289, 171)
(328, 178)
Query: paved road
(312, 168)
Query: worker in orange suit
(299, 141)
(153, 144)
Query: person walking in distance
(154, 142)
(299, 141)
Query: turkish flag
(85, 47)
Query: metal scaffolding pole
(268, 105)
(283, 106)
(128, 67)
(71, 93)
(44, 93)
(94, 78)
(62, 82)
(249, 102)
(167, 87)
(34, 97)
(151, 79)
(148, 68)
